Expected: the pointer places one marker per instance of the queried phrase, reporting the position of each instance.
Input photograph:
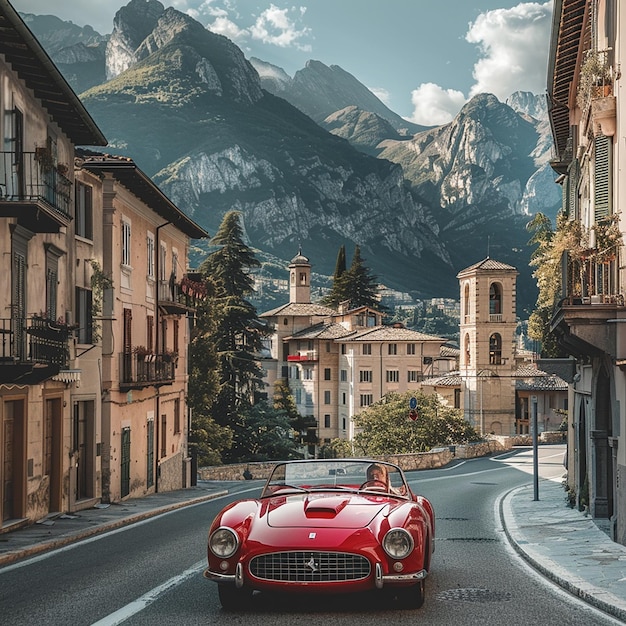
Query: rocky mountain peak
(131, 25)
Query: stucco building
(585, 83)
(43, 466)
(339, 362)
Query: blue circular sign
(413, 403)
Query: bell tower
(487, 345)
(300, 280)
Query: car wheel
(412, 597)
(233, 599)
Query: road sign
(413, 414)
(413, 403)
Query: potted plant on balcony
(608, 238)
(595, 79)
(144, 353)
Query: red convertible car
(325, 526)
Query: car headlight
(224, 542)
(398, 543)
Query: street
(151, 572)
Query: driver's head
(377, 472)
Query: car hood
(322, 511)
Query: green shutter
(603, 148)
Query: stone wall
(437, 457)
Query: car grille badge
(312, 565)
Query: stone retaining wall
(437, 457)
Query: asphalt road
(151, 573)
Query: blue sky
(423, 58)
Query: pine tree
(237, 333)
(358, 285)
(335, 295)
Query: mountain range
(315, 161)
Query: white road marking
(134, 607)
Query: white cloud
(513, 47)
(434, 105)
(382, 94)
(274, 26)
(223, 26)
(513, 56)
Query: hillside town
(100, 301)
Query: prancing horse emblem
(312, 565)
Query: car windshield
(336, 474)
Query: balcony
(139, 369)
(180, 298)
(592, 298)
(34, 191)
(32, 349)
(303, 357)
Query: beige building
(144, 326)
(339, 362)
(586, 110)
(49, 389)
(487, 343)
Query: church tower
(300, 280)
(487, 345)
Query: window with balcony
(495, 302)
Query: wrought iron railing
(30, 176)
(34, 340)
(188, 293)
(138, 369)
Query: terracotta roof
(300, 309)
(390, 333)
(321, 331)
(449, 351)
(529, 378)
(487, 265)
(126, 172)
(453, 379)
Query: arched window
(468, 355)
(495, 299)
(495, 349)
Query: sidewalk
(58, 530)
(561, 543)
(566, 546)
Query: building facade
(144, 309)
(49, 389)
(337, 363)
(585, 107)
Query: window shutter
(602, 177)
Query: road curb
(53, 544)
(549, 568)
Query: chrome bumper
(381, 579)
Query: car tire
(412, 597)
(234, 599)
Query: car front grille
(310, 567)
